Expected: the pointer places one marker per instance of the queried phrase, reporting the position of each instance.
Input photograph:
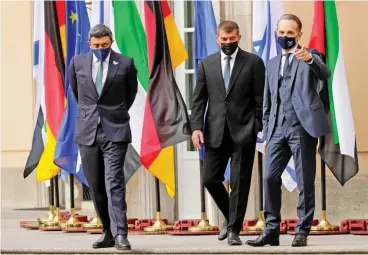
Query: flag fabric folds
(338, 149)
(38, 65)
(130, 40)
(54, 68)
(77, 29)
(265, 17)
(166, 120)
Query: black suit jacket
(240, 107)
(111, 107)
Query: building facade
(18, 98)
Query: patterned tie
(286, 64)
(99, 79)
(227, 73)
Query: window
(185, 76)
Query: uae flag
(54, 68)
(338, 149)
(166, 120)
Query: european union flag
(205, 44)
(77, 29)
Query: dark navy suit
(293, 119)
(103, 133)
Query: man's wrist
(310, 61)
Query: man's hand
(197, 136)
(303, 54)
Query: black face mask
(286, 42)
(229, 48)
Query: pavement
(16, 240)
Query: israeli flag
(265, 17)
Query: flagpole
(324, 224)
(51, 215)
(72, 221)
(203, 225)
(159, 225)
(57, 219)
(261, 223)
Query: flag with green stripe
(338, 149)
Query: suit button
(226, 102)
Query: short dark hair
(100, 30)
(228, 26)
(291, 17)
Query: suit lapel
(294, 68)
(275, 73)
(217, 72)
(87, 69)
(111, 71)
(238, 65)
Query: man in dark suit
(231, 82)
(104, 84)
(293, 119)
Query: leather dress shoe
(122, 243)
(233, 239)
(265, 239)
(106, 240)
(300, 240)
(223, 231)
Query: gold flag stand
(159, 225)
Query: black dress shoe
(122, 243)
(300, 240)
(223, 231)
(265, 239)
(105, 241)
(233, 239)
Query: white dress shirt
(96, 66)
(224, 61)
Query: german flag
(166, 120)
(54, 69)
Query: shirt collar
(233, 56)
(292, 51)
(95, 59)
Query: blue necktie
(227, 73)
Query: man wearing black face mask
(231, 82)
(104, 84)
(293, 119)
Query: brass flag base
(158, 226)
(56, 221)
(49, 218)
(260, 225)
(94, 223)
(203, 225)
(325, 225)
(72, 222)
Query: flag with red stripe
(54, 69)
(166, 120)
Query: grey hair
(100, 30)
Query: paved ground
(15, 240)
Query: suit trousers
(103, 164)
(287, 141)
(233, 207)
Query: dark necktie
(286, 64)
(227, 73)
